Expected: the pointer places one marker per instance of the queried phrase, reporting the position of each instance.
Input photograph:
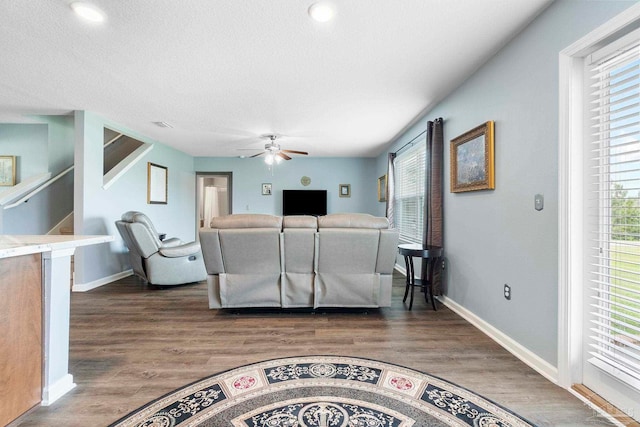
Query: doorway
(213, 196)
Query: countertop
(16, 245)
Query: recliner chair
(159, 262)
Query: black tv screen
(304, 202)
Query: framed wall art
(345, 190)
(382, 188)
(266, 189)
(157, 184)
(472, 160)
(7, 171)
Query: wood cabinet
(21, 335)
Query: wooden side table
(430, 255)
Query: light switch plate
(539, 202)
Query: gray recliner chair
(159, 262)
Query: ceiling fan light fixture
(321, 11)
(269, 158)
(88, 12)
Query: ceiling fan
(275, 153)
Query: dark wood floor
(131, 344)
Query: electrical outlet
(507, 291)
(443, 265)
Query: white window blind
(409, 168)
(614, 85)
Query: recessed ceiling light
(88, 11)
(321, 11)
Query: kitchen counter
(30, 244)
(49, 256)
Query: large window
(614, 84)
(409, 192)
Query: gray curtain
(433, 229)
(390, 189)
(433, 213)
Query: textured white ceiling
(224, 72)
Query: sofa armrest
(174, 241)
(181, 251)
(387, 251)
(211, 251)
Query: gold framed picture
(382, 188)
(7, 171)
(157, 184)
(472, 160)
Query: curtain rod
(415, 137)
(410, 142)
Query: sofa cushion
(300, 221)
(247, 221)
(352, 251)
(352, 220)
(255, 251)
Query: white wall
(497, 237)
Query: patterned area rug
(319, 391)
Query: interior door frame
(229, 176)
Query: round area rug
(321, 391)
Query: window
(614, 86)
(409, 192)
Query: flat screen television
(304, 202)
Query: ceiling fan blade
(304, 153)
(256, 155)
(284, 156)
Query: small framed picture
(7, 171)
(345, 190)
(382, 188)
(266, 189)
(157, 184)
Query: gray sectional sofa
(337, 260)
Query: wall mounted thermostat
(539, 202)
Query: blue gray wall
(97, 208)
(325, 173)
(496, 237)
(41, 147)
(29, 143)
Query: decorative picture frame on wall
(7, 171)
(345, 190)
(472, 160)
(157, 184)
(382, 188)
(266, 189)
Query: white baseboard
(84, 287)
(55, 391)
(534, 361)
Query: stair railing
(38, 189)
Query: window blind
(614, 110)
(409, 192)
